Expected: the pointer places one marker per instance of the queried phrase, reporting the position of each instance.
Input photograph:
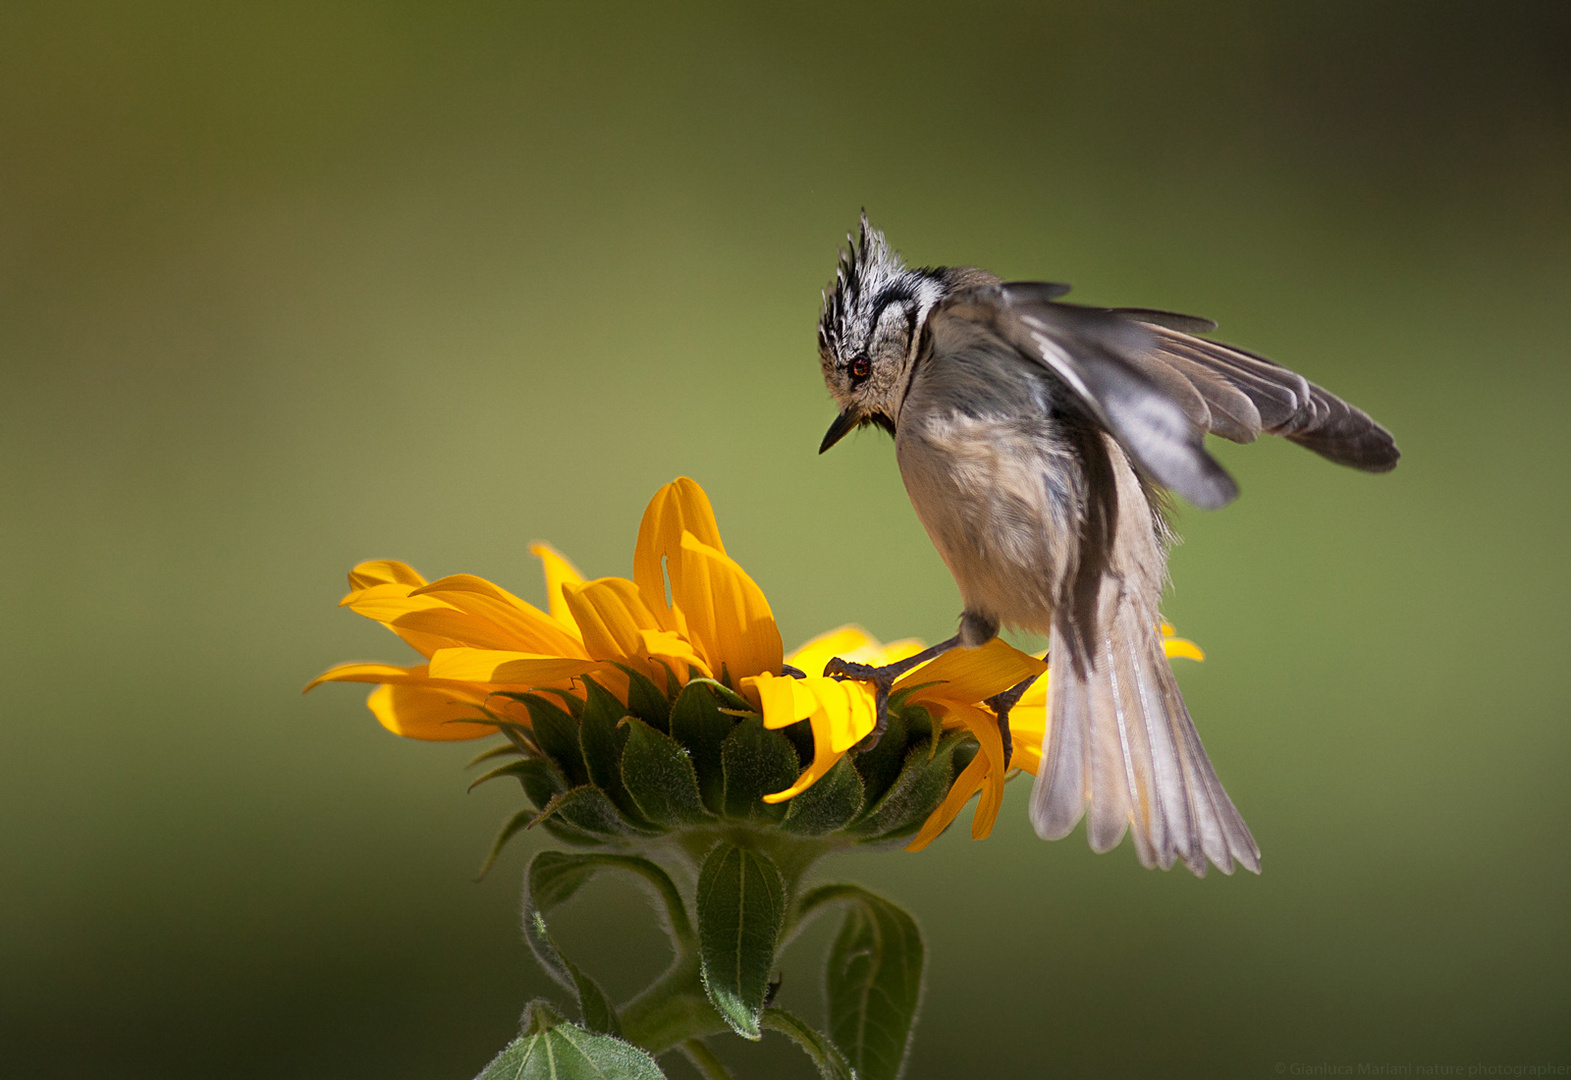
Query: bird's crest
(865, 268)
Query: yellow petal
(676, 651)
(377, 673)
(611, 614)
(679, 507)
(781, 700)
(728, 619)
(985, 774)
(433, 713)
(824, 759)
(384, 572)
(1177, 646)
(390, 601)
(504, 668)
(852, 721)
(845, 642)
(1027, 729)
(968, 675)
(558, 572)
(984, 725)
(895, 651)
(967, 784)
(850, 643)
(517, 624)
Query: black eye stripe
(893, 296)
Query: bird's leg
(883, 680)
(1001, 704)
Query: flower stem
(671, 1010)
(704, 1060)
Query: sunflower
(689, 612)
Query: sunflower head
(697, 760)
(635, 710)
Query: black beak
(839, 429)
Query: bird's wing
(1158, 387)
(1153, 412)
(1245, 394)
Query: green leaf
(829, 804)
(921, 786)
(553, 1050)
(518, 767)
(552, 879)
(505, 750)
(728, 698)
(542, 781)
(699, 725)
(741, 909)
(596, 1010)
(873, 979)
(587, 808)
(556, 733)
(568, 834)
(602, 738)
(511, 828)
(647, 701)
(880, 766)
(920, 726)
(554, 876)
(831, 1063)
(659, 777)
(755, 762)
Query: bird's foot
(1001, 704)
(883, 680)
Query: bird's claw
(1001, 704)
(883, 680)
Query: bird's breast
(996, 493)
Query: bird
(1041, 443)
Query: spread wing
(1158, 387)
(1238, 394)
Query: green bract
(670, 789)
(691, 768)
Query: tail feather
(1122, 751)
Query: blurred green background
(284, 287)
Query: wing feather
(1288, 404)
(1101, 355)
(1158, 388)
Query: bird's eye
(861, 368)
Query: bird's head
(871, 331)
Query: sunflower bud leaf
(882, 764)
(511, 828)
(828, 805)
(659, 777)
(699, 725)
(756, 762)
(647, 701)
(602, 739)
(916, 793)
(741, 909)
(729, 698)
(587, 808)
(556, 733)
(873, 979)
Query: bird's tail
(1121, 750)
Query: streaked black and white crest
(870, 277)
